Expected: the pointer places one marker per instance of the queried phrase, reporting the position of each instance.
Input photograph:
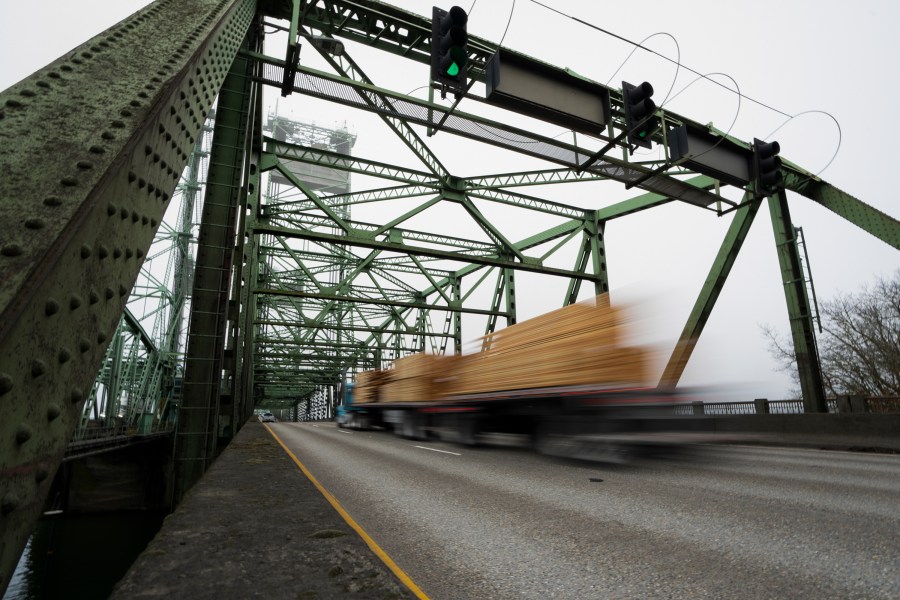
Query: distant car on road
(267, 417)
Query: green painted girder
(201, 416)
(367, 230)
(345, 66)
(799, 309)
(526, 178)
(378, 195)
(709, 293)
(325, 85)
(649, 200)
(268, 162)
(344, 162)
(83, 199)
(529, 202)
(866, 217)
(495, 259)
(346, 328)
(377, 169)
(494, 233)
(348, 285)
(379, 302)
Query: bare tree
(859, 348)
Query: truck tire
(412, 426)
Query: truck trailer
(567, 383)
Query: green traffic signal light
(458, 60)
(449, 50)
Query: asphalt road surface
(742, 522)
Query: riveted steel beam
(866, 217)
(74, 235)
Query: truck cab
(344, 409)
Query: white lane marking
(342, 431)
(436, 450)
(316, 426)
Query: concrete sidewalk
(255, 527)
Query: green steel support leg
(509, 284)
(598, 255)
(456, 284)
(712, 287)
(247, 331)
(802, 329)
(580, 265)
(198, 430)
(246, 266)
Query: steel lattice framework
(291, 287)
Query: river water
(81, 556)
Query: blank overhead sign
(528, 86)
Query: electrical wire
(511, 12)
(664, 57)
(471, 8)
(703, 76)
(806, 112)
(737, 113)
(635, 49)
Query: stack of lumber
(368, 384)
(581, 344)
(420, 378)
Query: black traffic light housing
(449, 48)
(640, 113)
(767, 167)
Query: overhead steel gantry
(290, 293)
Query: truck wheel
(412, 427)
(467, 431)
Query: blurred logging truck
(566, 382)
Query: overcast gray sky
(794, 56)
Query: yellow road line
(401, 575)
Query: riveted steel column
(91, 149)
(246, 330)
(802, 329)
(201, 418)
(456, 285)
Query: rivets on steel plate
(64, 355)
(52, 201)
(51, 307)
(53, 412)
(84, 345)
(38, 368)
(75, 302)
(75, 396)
(11, 250)
(23, 434)
(85, 251)
(93, 296)
(6, 384)
(9, 503)
(34, 223)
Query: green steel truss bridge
(186, 258)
